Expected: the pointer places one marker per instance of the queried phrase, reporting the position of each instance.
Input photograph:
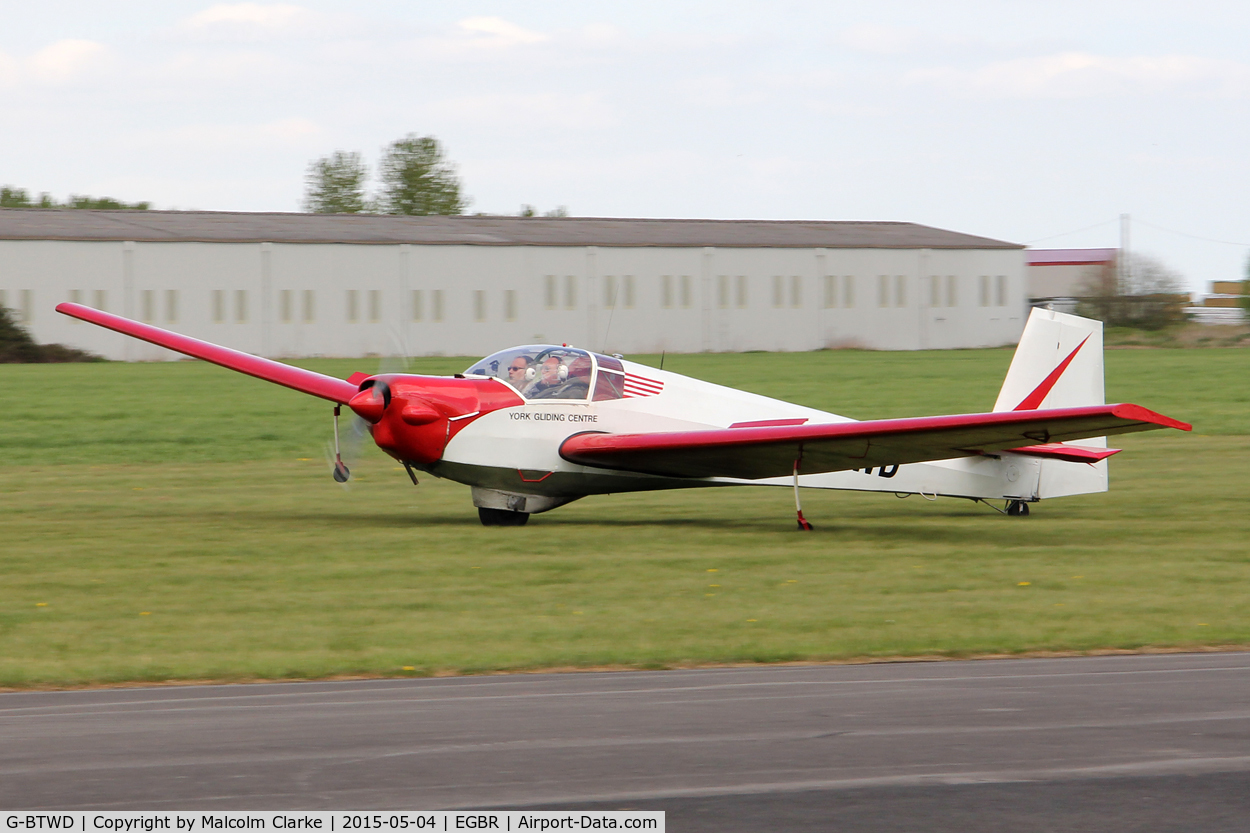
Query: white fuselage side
(516, 450)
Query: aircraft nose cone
(369, 404)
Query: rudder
(1059, 364)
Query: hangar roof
(238, 227)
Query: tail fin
(1058, 364)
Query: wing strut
(804, 525)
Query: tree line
(14, 197)
(415, 177)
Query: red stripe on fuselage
(769, 423)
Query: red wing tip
(1137, 412)
(77, 310)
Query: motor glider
(534, 427)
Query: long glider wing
(772, 451)
(305, 381)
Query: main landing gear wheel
(501, 517)
(1018, 509)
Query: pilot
(516, 371)
(547, 380)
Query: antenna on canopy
(661, 360)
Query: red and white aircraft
(534, 427)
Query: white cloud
(66, 60)
(222, 72)
(275, 16)
(497, 32)
(469, 41)
(878, 40)
(1082, 74)
(282, 133)
(265, 22)
(9, 70)
(529, 112)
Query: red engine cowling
(413, 418)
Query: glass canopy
(546, 371)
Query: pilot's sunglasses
(514, 367)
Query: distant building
(1224, 304)
(1057, 277)
(288, 285)
(1225, 294)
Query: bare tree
(416, 178)
(335, 184)
(1147, 294)
(1148, 275)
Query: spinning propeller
(351, 445)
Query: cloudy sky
(1032, 122)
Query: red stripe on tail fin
(1034, 400)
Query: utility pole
(1125, 269)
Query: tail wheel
(1018, 508)
(501, 517)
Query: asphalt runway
(1143, 743)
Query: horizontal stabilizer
(1070, 453)
(305, 381)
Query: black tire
(1018, 509)
(501, 517)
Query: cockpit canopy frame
(550, 372)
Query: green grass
(177, 521)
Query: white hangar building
(290, 285)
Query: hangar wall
(289, 299)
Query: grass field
(178, 521)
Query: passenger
(516, 371)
